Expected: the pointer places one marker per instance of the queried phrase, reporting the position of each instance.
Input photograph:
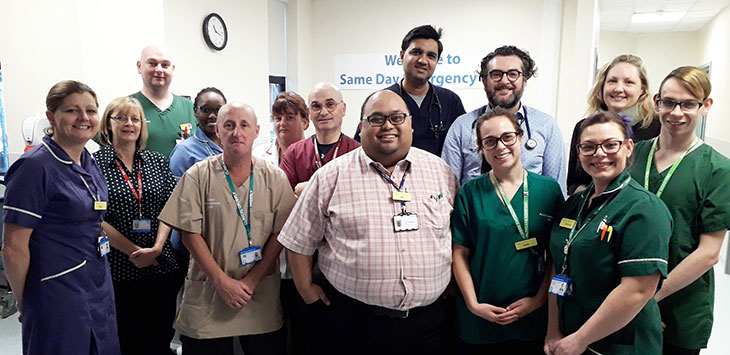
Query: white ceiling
(616, 14)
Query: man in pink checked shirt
(379, 218)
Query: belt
(387, 312)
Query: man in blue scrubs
(504, 74)
(433, 108)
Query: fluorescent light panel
(654, 17)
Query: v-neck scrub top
(698, 197)
(501, 273)
(637, 246)
(68, 301)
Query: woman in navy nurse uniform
(53, 250)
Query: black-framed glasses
(379, 120)
(507, 138)
(609, 147)
(207, 110)
(512, 75)
(330, 105)
(124, 119)
(667, 105)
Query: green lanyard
(525, 203)
(671, 170)
(246, 223)
(573, 234)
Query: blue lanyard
(246, 223)
(397, 186)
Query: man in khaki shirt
(232, 287)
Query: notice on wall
(455, 70)
(4, 142)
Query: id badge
(250, 255)
(561, 285)
(567, 223)
(527, 243)
(100, 206)
(401, 196)
(104, 247)
(405, 222)
(141, 225)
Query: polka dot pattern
(157, 185)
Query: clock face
(215, 32)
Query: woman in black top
(621, 87)
(145, 273)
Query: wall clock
(215, 32)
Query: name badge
(527, 243)
(405, 222)
(100, 206)
(561, 285)
(250, 255)
(141, 225)
(401, 196)
(104, 247)
(567, 223)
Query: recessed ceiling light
(659, 16)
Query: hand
(145, 257)
(569, 345)
(664, 326)
(519, 309)
(234, 293)
(300, 188)
(314, 293)
(550, 339)
(250, 283)
(488, 312)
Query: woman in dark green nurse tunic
(501, 227)
(609, 247)
(694, 185)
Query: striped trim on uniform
(23, 211)
(642, 260)
(64, 272)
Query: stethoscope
(439, 128)
(529, 145)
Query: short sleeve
(460, 232)
(644, 247)
(285, 202)
(184, 209)
(715, 213)
(451, 152)
(305, 227)
(25, 194)
(289, 166)
(179, 160)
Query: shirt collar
(616, 185)
(377, 165)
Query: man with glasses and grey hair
(379, 218)
(504, 73)
(303, 158)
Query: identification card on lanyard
(103, 246)
(526, 241)
(403, 221)
(252, 253)
(140, 224)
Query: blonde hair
(691, 78)
(122, 105)
(645, 104)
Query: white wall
(99, 42)
(378, 26)
(713, 41)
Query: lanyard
(246, 223)
(317, 160)
(671, 170)
(397, 186)
(96, 197)
(573, 233)
(205, 144)
(524, 232)
(137, 193)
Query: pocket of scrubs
(261, 225)
(64, 272)
(196, 307)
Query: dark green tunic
(698, 197)
(641, 226)
(502, 274)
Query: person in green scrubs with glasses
(609, 246)
(501, 228)
(692, 180)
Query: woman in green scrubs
(609, 247)
(692, 179)
(501, 227)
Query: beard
(508, 102)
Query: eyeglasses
(123, 119)
(330, 105)
(207, 110)
(512, 75)
(379, 120)
(608, 147)
(667, 105)
(507, 138)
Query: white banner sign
(455, 70)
